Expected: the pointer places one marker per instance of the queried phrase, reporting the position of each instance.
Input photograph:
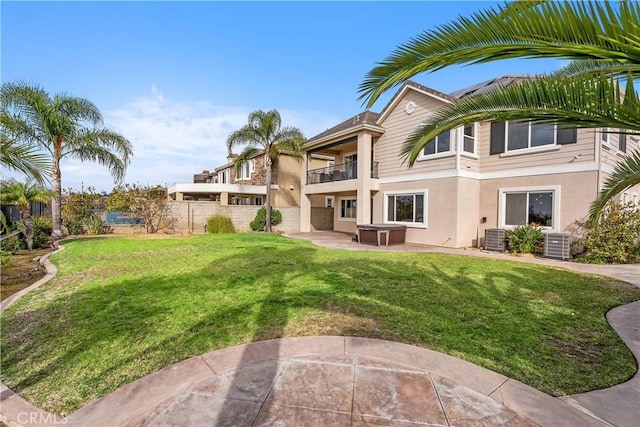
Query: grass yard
(121, 308)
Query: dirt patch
(22, 272)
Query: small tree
(23, 194)
(147, 202)
(78, 208)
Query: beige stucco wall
(442, 210)
(289, 173)
(577, 191)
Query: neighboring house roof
(488, 85)
(359, 120)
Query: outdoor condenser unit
(494, 239)
(557, 245)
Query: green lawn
(121, 308)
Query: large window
(527, 135)
(223, 177)
(243, 171)
(440, 144)
(348, 209)
(405, 208)
(529, 207)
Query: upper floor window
(604, 136)
(223, 177)
(440, 144)
(622, 142)
(524, 135)
(244, 170)
(469, 138)
(527, 135)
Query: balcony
(338, 173)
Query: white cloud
(173, 140)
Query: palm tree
(23, 194)
(263, 132)
(19, 156)
(602, 42)
(65, 127)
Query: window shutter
(622, 142)
(497, 138)
(567, 135)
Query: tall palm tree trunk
(25, 215)
(268, 195)
(56, 216)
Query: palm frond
(569, 30)
(589, 68)
(25, 158)
(247, 154)
(103, 146)
(245, 136)
(625, 175)
(552, 99)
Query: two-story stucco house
(245, 185)
(479, 176)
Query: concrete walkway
(343, 381)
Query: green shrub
(5, 259)
(42, 229)
(11, 245)
(74, 227)
(614, 239)
(220, 224)
(525, 239)
(94, 224)
(260, 220)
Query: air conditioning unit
(494, 239)
(557, 245)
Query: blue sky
(176, 78)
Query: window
(523, 135)
(223, 177)
(440, 144)
(622, 142)
(604, 135)
(244, 170)
(526, 135)
(258, 201)
(529, 207)
(469, 139)
(407, 208)
(328, 202)
(348, 209)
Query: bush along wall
(259, 222)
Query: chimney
(231, 157)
